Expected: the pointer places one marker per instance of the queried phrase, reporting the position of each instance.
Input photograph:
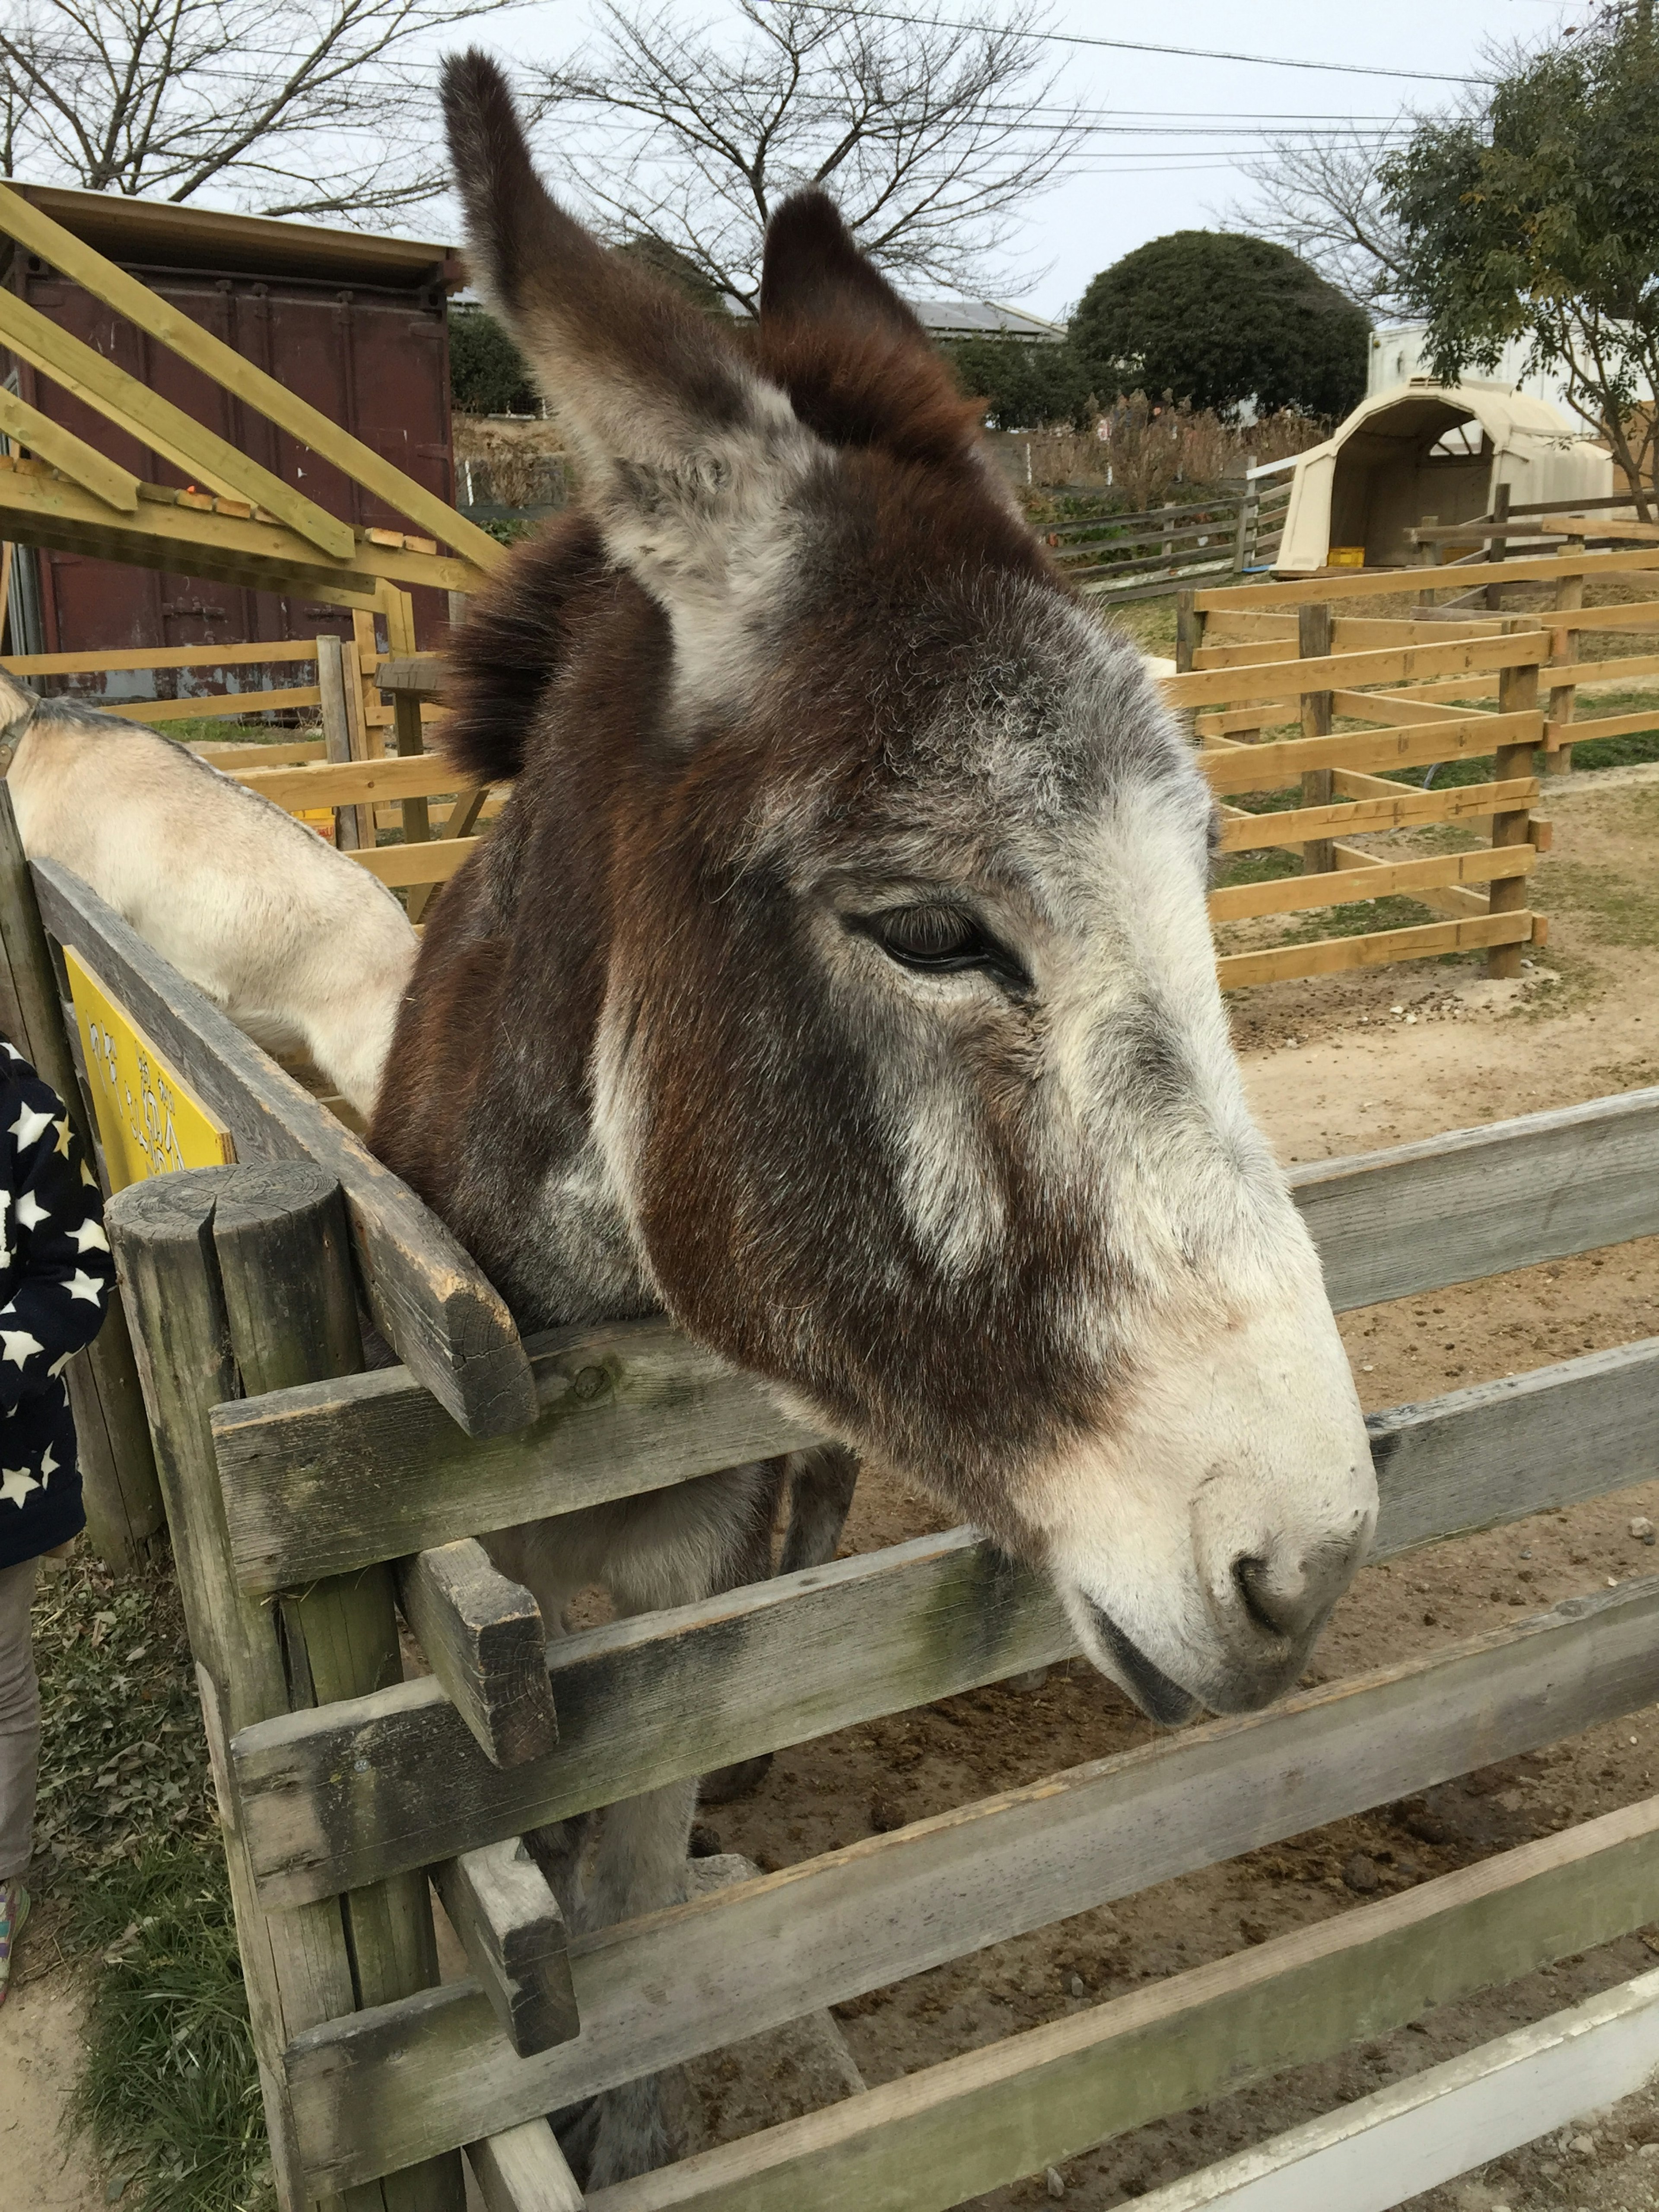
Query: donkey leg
(821, 1485)
(679, 1546)
(751, 1562)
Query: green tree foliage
(488, 374)
(1216, 319)
(1025, 386)
(1539, 219)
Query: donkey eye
(932, 936)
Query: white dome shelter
(1424, 448)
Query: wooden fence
(309, 1500)
(1134, 557)
(1374, 695)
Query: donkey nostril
(1281, 1613)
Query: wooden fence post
(1313, 642)
(1189, 630)
(1517, 694)
(240, 1282)
(1563, 696)
(343, 740)
(1498, 548)
(117, 1464)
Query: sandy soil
(45, 2169)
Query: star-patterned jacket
(55, 1276)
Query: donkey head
(908, 1075)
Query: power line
(1136, 45)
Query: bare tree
(287, 106)
(1322, 197)
(932, 132)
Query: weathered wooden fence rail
(307, 1498)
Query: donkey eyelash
(933, 939)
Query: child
(56, 1275)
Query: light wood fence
(309, 1500)
(1432, 685)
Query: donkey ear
(854, 358)
(686, 451)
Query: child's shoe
(13, 1911)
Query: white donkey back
(298, 944)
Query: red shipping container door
(374, 357)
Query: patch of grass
(128, 1847)
(170, 2092)
(1618, 910)
(1361, 918)
(1151, 622)
(1266, 866)
(230, 729)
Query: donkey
(299, 945)
(839, 980)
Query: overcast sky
(1173, 127)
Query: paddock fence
(1121, 556)
(309, 1501)
(1383, 704)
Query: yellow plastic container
(1345, 556)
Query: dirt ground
(1341, 1065)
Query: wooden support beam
(427, 1295)
(1391, 706)
(1461, 736)
(1222, 687)
(485, 1642)
(1369, 584)
(1313, 647)
(1399, 2142)
(929, 2140)
(1517, 694)
(667, 1695)
(434, 860)
(523, 2170)
(514, 1934)
(1368, 875)
(1335, 955)
(161, 319)
(143, 414)
(50, 441)
(1370, 804)
(747, 1959)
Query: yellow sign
(149, 1122)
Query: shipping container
(354, 324)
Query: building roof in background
(983, 319)
(157, 234)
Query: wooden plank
(1463, 737)
(143, 414)
(1386, 707)
(642, 1701)
(159, 656)
(323, 783)
(263, 556)
(1332, 584)
(925, 2142)
(50, 441)
(1619, 667)
(1267, 714)
(1377, 878)
(515, 1938)
(434, 860)
(1572, 732)
(230, 757)
(420, 674)
(427, 1295)
(523, 2170)
(747, 1959)
(1222, 687)
(168, 322)
(1481, 1202)
(1443, 898)
(682, 1692)
(1332, 956)
(485, 1643)
(1376, 2153)
(1358, 806)
(1367, 633)
(1253, 652)
(622, 1407)
(1636, 615)
(210, 707)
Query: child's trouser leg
(20, 1719)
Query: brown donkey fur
(838, 978)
